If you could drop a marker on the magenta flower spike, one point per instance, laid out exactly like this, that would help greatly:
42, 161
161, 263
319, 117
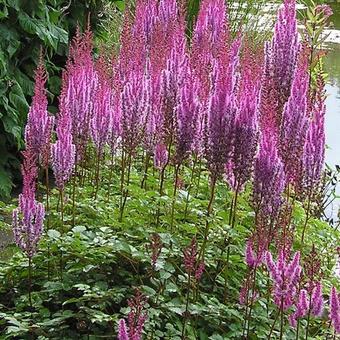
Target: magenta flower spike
284, 50
314, 148
63, 150
39, 124
317, 300
301, 308
145, 18
222, 108
137, 316
269, 179
168, 12
136, 319
285, 276
122, 330
253, 259
295, 124
187, 111
101, 122
134, 108
325, 10
334, 310
28, 218
246, 135
80, 82
191, 264
160, 156
153, 116
211, 26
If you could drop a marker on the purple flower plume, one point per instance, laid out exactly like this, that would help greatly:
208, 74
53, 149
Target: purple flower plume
102, 107
134, 107
284, 50
314, 148
334, 302
122, 330
80, 82
28, 218
136, 319
187, 116
269, 179
191, 264
295, 124
308, 303
220, 120
63, 150
160, 156
39, 124
285, 276
246, 134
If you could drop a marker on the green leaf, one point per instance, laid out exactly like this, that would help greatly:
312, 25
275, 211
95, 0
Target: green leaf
53, 234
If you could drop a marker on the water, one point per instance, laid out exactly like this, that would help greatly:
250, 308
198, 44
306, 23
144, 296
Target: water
332, 67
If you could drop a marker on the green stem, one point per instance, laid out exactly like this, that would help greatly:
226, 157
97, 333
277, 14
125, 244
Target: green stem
48, 221
146, 168
189, 188
186, 308
251, 302
282, 320
62, 230
207, 224
297, 329
74, 196
273, 325
308, 317
110, 177
177, 167
126, 192
307, 218
97, 175
30, 282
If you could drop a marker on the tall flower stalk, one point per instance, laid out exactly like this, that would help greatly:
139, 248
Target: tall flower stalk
285, 276
28, 218
101, 124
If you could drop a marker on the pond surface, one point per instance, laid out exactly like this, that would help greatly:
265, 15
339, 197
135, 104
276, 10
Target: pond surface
332, 67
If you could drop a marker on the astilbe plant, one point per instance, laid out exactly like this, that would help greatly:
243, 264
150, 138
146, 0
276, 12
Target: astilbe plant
246, 131
39, 123
28, 218
284, 51
308, 304
101, 121
136, 318
194, 267
80, 82
63, 150
294, 124
209, 102
285, 276
309, 301
334, 311
269, 183
314, 150
314, 147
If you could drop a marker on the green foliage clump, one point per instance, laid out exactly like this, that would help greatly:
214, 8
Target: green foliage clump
85, 272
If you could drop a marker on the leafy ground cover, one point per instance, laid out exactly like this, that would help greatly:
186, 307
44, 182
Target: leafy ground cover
103, 262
